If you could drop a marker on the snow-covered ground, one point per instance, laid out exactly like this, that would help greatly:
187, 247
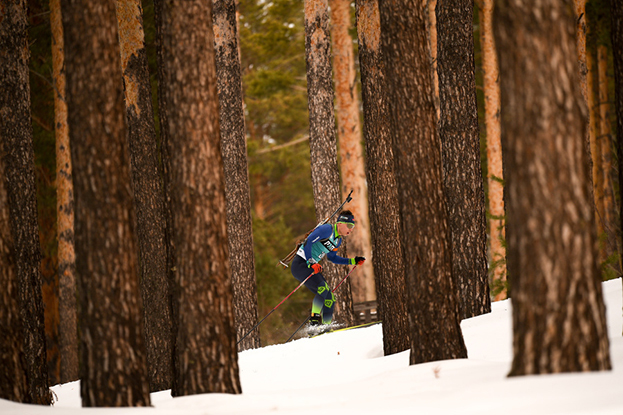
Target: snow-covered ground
346, 373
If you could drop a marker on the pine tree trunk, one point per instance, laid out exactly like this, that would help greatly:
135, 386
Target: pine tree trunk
113, 361
595, 147
431, 25
68, 325
351, 151
383, 191
495, 174
13, 383
234, 147
617, 54
580, 40
16, 148
206, 357
165, 159
434, 318
148, 194
322, 142
611, 223
558, 311
460, 139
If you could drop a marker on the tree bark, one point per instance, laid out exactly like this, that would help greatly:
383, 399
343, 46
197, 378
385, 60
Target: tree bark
351, 151
383, 191
611, 223
148, 194
558, 311
595, 146
68, 330
234, 147
580, 40
113, 365
460, 139
165, 159
206, 357
16, 149
322, 142
495, 170
432, 295
431, 28
13, 383
616, 34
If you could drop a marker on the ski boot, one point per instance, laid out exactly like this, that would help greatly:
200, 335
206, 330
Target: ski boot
315, 320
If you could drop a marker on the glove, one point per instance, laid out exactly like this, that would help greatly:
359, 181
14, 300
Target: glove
316, 267
358, 260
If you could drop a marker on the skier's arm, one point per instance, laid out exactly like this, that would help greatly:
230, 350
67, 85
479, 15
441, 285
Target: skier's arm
336, 259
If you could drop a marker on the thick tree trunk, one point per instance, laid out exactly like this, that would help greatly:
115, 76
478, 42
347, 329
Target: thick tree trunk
13, 383
460, 139
617, 54
206, 357
558, 311
351, 151
113, 365
68, 325
148, 194
383, 191
322, 142
495, 174
434, 318
234, 147
16, 149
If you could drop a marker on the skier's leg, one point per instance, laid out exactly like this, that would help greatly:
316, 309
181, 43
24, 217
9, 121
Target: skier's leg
301, 271
327, 299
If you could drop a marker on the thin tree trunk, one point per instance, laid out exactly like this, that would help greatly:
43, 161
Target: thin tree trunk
434, 318
617, 54
322, 142
460, 139
206, 356
148, 194
431, 25
68, 330
234, 147
13, 382
16, 149
611, 223
113, 364
558, 311
165, 159
495, 175
580, 39
351, 151
383, 191
595, 147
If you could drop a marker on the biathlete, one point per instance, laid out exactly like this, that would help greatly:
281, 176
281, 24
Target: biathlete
323, 241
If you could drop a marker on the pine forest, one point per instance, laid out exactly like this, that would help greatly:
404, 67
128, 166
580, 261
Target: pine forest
161, 159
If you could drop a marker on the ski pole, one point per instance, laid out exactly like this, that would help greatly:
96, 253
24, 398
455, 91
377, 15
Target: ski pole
338, 286
271, 311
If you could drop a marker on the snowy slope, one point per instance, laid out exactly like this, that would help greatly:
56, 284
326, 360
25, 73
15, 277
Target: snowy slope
346, 373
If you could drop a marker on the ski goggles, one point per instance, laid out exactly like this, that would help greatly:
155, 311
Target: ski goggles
347, 220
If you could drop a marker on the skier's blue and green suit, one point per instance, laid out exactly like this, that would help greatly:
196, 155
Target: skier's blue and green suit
323, 241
